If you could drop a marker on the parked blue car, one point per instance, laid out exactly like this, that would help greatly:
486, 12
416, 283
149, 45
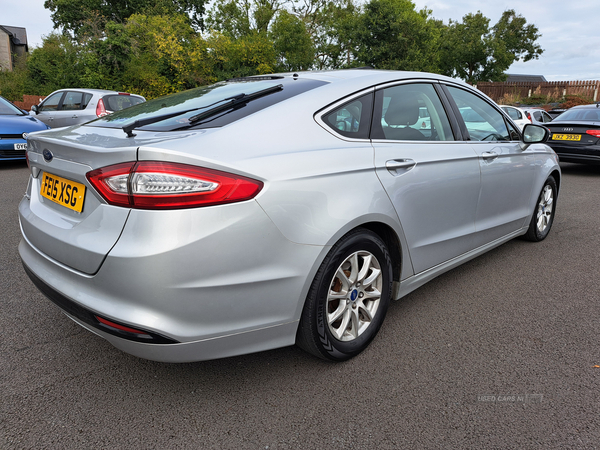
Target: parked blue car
15, 125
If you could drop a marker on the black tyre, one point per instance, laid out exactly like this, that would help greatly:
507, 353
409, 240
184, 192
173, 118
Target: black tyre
543, 215
348, 298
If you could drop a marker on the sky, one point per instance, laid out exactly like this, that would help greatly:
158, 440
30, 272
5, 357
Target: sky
569, 28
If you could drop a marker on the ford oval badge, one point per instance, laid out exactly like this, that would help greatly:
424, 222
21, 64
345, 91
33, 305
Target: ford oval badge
47, 155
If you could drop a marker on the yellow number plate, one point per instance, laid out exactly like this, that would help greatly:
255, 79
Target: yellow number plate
566, 137
67, 193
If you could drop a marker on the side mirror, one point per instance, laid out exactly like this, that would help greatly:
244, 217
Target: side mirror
534, 134
35, 109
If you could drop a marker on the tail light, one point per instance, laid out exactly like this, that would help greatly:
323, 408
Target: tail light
163, 185
528, 116
595, 133
100, 109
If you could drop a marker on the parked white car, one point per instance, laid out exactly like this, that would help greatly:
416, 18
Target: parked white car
517, 115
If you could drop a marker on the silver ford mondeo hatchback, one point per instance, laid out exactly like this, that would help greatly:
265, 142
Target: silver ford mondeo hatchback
266, 211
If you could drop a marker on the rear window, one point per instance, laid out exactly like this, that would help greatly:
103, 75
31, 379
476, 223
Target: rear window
203, 99
119, 102
592, 115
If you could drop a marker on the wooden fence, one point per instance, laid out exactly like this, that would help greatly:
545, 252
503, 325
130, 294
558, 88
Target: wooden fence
555, 89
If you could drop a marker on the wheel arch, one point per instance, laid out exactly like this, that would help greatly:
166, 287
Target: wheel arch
556, 175
392, 242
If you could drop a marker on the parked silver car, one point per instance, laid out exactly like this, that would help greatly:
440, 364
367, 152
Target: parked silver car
67, 107
265, 211
537, 115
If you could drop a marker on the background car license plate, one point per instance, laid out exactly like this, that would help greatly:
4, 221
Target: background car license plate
566, 137
67, 193
20, 147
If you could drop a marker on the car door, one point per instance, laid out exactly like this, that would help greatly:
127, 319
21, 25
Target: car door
69, 109
431, 178
47, 110
507, 167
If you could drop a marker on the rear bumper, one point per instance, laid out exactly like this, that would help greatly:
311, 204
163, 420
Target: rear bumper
232, 284
583, 154
579, 158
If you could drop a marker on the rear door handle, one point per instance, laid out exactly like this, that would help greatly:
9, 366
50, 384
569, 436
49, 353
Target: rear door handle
397, 166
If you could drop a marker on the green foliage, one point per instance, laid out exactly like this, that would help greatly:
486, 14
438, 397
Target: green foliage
332, 30
165, 55
73, 16
249, 55
391, 34
53, 66
153, 47
292, 43
12, 84
474, 51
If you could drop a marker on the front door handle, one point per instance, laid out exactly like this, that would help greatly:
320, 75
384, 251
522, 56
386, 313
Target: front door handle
489, 155
397, 166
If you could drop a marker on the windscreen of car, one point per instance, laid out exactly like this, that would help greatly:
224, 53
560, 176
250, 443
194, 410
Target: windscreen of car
584, 114
201, 99
121, 101
8, 109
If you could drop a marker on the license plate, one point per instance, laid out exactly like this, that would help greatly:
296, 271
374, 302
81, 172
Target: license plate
566, 137
67, 193
20, 147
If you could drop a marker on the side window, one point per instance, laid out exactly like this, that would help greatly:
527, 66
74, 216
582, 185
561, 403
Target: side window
51, 103
515, 114
483, 121
410, 112
352, 119
72, 101
86, 100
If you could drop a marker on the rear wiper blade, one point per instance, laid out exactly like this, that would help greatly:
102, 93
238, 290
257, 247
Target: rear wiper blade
231, 102
154, 119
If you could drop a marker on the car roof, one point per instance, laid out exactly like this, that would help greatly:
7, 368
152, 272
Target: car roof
376, 75
93, 91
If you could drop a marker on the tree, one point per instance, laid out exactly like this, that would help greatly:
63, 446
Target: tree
517, 38
165, 55
473, 51
55, 65
391, 34
292, 43
252, 54
72, 16
331, 26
